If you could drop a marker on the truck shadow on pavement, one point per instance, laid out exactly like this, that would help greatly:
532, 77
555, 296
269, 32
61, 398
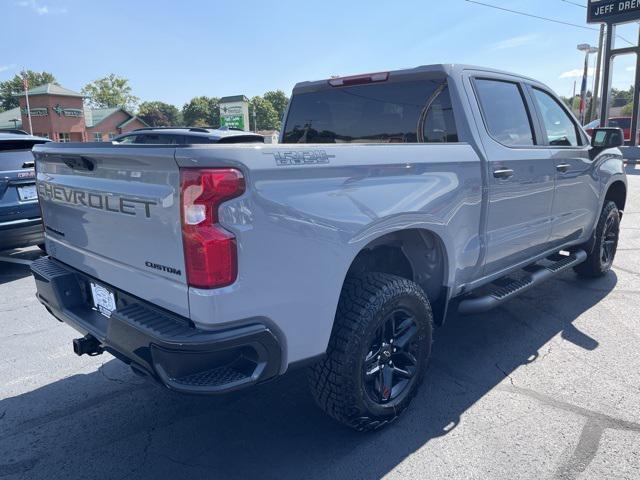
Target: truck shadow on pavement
111, 424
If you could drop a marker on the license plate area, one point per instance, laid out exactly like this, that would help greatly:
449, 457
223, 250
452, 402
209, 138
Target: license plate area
27, 193
104, 300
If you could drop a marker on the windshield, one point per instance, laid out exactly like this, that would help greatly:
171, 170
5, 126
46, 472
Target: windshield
15, 159
373, 113
620, 122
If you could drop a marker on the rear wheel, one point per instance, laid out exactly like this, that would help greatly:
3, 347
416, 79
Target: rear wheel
607, 232
378, 351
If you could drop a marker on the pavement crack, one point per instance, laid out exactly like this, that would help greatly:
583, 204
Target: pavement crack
111, 379
548, 352
505, 373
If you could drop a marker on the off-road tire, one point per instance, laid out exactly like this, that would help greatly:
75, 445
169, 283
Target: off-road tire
338, 381
594, 265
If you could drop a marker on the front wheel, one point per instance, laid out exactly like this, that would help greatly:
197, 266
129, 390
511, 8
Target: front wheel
607, 232
378, 351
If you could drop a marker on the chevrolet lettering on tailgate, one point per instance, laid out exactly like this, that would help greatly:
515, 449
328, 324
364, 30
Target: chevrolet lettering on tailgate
97, 200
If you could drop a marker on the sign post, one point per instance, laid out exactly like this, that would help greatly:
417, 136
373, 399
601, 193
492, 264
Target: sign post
613, 13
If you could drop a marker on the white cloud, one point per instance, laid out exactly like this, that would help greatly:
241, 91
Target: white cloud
4, 68
631, 69
515, 42
577, 73
40, 8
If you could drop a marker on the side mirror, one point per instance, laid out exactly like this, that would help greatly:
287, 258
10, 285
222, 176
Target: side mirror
607, 138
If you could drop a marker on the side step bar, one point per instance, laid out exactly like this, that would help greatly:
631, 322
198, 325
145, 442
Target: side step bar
502, 294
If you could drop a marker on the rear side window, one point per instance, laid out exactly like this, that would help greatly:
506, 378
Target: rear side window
373, 113
439, 125
154, 139
561, 131
197, 140
505, 114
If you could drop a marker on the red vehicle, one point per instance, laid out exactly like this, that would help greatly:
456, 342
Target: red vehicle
619, 122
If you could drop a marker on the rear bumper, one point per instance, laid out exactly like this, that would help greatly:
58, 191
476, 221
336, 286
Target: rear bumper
157, 343
21, 233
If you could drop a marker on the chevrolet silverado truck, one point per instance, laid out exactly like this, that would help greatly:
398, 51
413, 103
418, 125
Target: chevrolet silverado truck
392, 199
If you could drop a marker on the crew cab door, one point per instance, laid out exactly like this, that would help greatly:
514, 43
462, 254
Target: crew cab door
577, 195
520, 176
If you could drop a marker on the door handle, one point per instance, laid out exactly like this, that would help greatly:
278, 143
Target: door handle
563, 167
503, 173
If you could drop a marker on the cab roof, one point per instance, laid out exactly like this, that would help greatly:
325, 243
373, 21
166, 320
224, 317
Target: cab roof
441, 69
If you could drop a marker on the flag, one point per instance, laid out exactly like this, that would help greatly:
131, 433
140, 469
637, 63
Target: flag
583, 88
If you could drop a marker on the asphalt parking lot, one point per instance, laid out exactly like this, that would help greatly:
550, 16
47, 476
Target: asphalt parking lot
546, 387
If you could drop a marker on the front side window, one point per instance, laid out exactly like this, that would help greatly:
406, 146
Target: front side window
385, 112
561, 131
505, 114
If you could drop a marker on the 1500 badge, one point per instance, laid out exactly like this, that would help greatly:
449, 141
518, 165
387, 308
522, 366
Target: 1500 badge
300, 157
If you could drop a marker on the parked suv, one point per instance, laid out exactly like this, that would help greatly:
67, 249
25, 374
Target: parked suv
20, 223
187, 136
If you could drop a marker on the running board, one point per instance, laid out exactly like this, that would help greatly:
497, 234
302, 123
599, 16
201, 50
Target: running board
501, 294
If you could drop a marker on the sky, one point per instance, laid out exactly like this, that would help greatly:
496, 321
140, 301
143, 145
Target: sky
175, 50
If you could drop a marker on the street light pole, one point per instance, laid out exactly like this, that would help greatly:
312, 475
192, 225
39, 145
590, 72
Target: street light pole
593, 111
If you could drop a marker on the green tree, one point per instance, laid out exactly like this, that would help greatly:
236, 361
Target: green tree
279, 100
159, 114
627, 110
202, 112
266, 115
109, 92
10, 88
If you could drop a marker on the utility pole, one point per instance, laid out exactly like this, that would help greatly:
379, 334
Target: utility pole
25, 84
596, 89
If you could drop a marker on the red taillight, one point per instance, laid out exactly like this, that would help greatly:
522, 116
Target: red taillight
209, 250
359, 79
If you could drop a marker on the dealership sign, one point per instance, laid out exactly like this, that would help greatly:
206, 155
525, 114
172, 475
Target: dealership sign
67, 112
36, 112
234, 112
232, 116
613, 11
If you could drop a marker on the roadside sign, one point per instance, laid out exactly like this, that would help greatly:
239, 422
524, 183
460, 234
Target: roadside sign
613, 11
234, 112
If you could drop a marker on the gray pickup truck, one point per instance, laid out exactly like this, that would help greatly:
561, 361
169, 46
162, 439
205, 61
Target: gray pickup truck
392, 198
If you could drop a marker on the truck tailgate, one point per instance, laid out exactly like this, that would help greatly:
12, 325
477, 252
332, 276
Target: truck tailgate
113, 212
